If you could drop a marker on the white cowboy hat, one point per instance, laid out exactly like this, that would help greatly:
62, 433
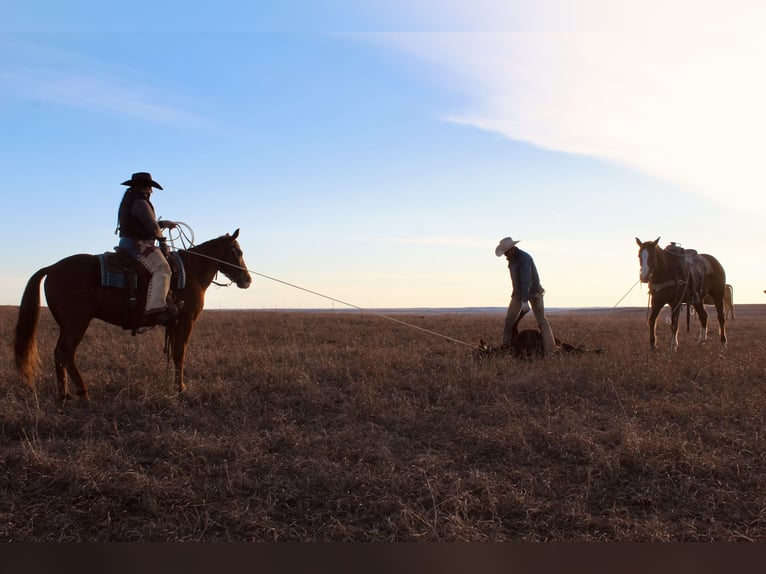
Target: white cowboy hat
505, 244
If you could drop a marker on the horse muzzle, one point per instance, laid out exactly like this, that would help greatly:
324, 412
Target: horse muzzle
244, 281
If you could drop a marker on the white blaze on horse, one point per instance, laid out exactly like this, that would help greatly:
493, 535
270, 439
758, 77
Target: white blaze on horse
678, 276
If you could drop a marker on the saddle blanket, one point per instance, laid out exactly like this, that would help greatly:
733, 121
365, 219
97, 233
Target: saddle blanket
116, 270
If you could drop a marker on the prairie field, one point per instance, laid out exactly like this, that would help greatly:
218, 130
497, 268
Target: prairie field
347, 426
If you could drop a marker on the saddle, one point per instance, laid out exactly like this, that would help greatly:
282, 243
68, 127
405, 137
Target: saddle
696, 268
120, 271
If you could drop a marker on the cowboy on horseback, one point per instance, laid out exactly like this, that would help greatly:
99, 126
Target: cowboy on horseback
139, 229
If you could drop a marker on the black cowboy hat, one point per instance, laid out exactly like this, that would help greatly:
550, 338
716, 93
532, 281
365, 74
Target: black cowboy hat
142, 178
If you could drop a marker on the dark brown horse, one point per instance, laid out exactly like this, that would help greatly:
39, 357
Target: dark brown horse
678, 276
75, 297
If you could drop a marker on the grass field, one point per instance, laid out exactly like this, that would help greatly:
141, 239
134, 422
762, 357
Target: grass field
349, 427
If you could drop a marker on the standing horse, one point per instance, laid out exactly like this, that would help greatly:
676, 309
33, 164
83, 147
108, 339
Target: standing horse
75, 296
677, 276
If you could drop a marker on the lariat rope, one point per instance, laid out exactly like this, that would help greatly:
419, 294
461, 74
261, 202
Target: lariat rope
383, 315
185, 235
603, 318
188, 242
371, 312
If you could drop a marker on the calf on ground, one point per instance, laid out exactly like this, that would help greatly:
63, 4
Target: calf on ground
527, 344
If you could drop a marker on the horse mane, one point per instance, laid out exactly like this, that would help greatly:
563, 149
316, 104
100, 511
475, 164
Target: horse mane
202, 247
206, 248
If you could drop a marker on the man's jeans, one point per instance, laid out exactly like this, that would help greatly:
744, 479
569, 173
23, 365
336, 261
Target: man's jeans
538, 309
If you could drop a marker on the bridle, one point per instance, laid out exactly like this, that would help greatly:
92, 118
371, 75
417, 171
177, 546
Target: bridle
236, 252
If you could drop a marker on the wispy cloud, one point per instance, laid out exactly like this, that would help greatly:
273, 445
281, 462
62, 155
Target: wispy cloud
431, 241
90, 93
680, 102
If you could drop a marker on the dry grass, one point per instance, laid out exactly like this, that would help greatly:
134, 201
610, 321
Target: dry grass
348, 427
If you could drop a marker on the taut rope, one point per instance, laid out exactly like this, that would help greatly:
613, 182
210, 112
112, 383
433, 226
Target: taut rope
357, 307
589, 333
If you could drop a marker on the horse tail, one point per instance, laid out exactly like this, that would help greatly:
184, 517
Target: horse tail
24, 340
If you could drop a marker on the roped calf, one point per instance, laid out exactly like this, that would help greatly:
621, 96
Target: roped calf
527, 344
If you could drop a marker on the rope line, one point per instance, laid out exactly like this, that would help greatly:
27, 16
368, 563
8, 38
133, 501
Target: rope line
317, 293
589, 333
190, 241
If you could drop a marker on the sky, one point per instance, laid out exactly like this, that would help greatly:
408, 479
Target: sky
376, 151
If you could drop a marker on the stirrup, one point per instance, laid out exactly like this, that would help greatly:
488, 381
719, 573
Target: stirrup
174, 307
157, 317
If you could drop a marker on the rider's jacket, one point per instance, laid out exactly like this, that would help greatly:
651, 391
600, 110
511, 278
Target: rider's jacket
129, 224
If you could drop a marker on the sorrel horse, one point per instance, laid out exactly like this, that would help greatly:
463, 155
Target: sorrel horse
678, 276
75, 296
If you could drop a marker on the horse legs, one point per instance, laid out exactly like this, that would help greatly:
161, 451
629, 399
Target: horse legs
179, 376
63, 356
674, 316
180, 338
719, 308
653, 327
702, 315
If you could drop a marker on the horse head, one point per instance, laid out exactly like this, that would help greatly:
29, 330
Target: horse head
232, 262
646, 256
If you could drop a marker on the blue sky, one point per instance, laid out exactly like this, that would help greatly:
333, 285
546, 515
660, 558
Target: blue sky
377, 151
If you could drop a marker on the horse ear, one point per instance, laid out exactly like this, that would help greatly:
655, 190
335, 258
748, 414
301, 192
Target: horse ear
235, 234
656, 241
638, 241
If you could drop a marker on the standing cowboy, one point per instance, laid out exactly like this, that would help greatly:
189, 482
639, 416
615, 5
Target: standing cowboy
527, 291
139, 229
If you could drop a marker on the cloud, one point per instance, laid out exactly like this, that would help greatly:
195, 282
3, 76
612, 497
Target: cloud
90, 93
431, 241
679, 99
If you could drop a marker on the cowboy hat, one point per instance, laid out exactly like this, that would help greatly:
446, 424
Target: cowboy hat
505, 244
142, 178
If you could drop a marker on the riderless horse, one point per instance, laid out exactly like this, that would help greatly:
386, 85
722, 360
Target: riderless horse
678, 276
76, 294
